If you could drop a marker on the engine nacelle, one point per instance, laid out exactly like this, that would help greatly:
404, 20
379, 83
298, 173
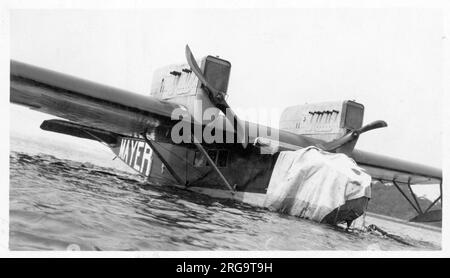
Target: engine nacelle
178, 84
325, 120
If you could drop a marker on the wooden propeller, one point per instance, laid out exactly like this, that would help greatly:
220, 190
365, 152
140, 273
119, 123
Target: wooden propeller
353, 135
217, 97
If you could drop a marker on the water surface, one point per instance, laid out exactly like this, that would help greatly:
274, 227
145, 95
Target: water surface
76, 204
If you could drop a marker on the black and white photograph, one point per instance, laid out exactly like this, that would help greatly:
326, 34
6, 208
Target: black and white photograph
231, 128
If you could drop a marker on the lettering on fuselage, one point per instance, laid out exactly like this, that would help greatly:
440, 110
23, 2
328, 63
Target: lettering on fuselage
137, 154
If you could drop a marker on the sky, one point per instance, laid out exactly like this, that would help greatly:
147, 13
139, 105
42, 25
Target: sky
391, 60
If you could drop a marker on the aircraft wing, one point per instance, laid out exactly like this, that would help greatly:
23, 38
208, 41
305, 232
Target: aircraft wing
396, 171
88, 103
389, 169
98, 108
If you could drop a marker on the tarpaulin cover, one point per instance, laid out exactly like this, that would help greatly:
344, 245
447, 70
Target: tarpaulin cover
310, 183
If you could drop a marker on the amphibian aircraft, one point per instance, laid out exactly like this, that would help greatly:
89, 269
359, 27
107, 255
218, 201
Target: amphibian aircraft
161, 136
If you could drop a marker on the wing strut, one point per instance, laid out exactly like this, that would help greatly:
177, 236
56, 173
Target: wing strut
414, 196
406, 197
431, 215
213, 164
432, 204
422, 216
163, 160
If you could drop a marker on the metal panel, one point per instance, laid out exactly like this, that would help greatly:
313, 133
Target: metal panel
325, 120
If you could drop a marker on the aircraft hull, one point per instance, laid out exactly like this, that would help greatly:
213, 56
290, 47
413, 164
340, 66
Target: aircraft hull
248, 171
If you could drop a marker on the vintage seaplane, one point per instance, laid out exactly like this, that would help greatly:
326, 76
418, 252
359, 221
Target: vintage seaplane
153, 134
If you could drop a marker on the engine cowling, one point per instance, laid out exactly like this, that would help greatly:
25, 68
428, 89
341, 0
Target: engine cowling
326, 121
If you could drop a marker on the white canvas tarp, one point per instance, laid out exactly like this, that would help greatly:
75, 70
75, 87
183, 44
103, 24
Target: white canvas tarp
310, 183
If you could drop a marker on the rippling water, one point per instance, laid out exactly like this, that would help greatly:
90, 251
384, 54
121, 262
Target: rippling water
60, 204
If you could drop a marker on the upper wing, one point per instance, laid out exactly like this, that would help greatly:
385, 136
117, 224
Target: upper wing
88, 103
390, 169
